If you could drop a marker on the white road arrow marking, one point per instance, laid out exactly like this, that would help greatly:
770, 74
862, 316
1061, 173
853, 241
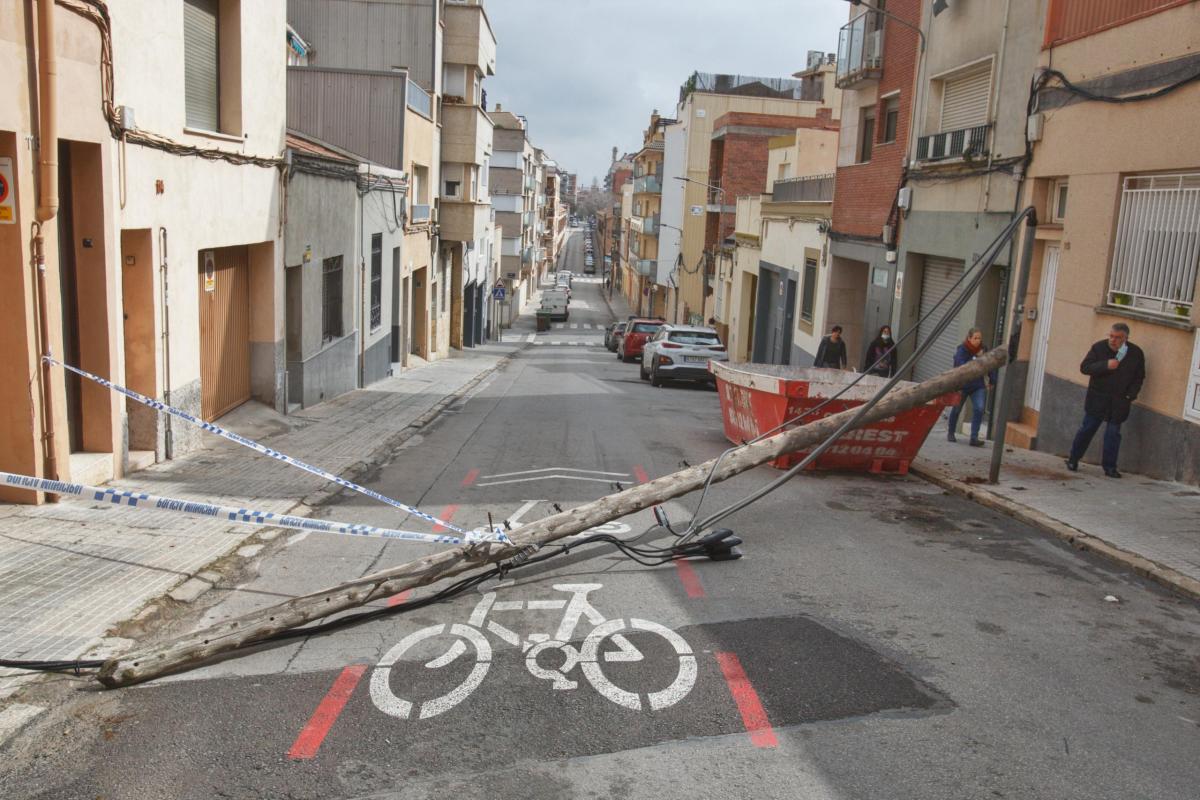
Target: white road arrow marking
556, 469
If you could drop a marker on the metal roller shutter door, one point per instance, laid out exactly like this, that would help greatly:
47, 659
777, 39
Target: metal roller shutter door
965, 99
939, 275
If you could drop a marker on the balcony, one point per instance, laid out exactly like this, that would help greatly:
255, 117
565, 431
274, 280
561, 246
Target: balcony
964, 144
647, 184
645, 225
466, 133
463, 220
468, 37
647, 267
527, 219
860, 50
419, 213
419, 100
527, 255
806, 189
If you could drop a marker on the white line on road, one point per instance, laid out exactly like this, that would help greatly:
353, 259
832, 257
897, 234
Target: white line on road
547, 478
531, 337
556, 469
515, 517
574, 326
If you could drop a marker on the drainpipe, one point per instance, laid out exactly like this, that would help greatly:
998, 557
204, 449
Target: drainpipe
47, 209
168, 438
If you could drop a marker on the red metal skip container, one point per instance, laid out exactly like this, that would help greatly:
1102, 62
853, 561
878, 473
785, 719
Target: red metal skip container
757, 397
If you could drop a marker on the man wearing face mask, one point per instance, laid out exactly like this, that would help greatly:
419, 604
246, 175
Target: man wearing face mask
1117, 370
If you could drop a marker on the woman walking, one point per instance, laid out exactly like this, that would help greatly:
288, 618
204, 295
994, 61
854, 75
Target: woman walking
881, 355
975, 391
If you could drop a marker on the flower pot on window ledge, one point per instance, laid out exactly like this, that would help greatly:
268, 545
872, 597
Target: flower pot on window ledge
1183, 311
1120, 299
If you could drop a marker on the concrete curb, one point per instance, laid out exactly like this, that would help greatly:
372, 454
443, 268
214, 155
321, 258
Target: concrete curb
1164, 575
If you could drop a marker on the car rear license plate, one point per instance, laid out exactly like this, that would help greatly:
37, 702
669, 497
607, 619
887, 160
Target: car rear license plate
692, 359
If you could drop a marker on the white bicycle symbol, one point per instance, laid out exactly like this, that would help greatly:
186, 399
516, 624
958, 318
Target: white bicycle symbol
588, 657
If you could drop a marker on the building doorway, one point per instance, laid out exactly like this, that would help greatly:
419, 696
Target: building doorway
138, 307
420, 313
1041, 331
224, 292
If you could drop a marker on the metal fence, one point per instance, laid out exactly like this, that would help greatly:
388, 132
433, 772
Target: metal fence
806, 189
419, 100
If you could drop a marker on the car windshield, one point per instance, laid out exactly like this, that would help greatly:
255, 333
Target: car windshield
646, 327
620, 327
704, 338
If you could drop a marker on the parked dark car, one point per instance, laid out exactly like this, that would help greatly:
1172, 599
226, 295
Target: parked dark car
637, 332
612, 336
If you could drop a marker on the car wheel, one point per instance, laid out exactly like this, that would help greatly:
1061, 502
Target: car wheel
643, 373
655, 380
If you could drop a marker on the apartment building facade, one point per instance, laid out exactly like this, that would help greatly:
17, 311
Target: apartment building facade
876, 70
513, 190
147, 282
704, 98
465, 219
648, 276
1119, 232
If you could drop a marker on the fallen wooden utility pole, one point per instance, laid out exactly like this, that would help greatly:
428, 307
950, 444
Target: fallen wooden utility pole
202, 646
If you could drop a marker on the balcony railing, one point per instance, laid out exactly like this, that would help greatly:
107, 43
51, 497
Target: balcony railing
420, 213
647, 184
527, 255
419, 100
645, 225
806, 189
860, 50
961, 143
527, 219
646, 267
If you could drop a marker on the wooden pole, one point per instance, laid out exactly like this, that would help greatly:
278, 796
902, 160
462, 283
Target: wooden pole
199, 647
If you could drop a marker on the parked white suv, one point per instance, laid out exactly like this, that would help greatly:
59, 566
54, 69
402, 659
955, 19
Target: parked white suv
681, 352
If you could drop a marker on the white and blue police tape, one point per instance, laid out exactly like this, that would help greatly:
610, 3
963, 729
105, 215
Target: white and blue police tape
255, 446
247, 516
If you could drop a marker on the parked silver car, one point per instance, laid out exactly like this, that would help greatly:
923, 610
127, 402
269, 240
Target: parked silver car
681, 352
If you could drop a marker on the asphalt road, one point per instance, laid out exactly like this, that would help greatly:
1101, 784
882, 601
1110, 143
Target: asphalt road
879, 639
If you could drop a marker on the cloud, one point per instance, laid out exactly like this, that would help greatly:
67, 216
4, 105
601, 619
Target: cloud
587, 73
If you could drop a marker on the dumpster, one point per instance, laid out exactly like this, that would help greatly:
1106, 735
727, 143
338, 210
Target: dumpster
757, 397
543, 320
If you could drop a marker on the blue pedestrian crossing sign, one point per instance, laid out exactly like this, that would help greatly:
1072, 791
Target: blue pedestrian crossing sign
498, 292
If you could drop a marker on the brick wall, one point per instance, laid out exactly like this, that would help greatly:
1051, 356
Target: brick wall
864, 193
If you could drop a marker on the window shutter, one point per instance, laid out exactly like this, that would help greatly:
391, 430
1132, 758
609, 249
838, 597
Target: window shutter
200, 65
965, 99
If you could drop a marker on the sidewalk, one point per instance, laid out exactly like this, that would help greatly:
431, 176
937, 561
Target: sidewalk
73, 570
1150, 526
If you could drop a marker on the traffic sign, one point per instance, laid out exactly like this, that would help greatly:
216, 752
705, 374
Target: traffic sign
7, 207
497, 292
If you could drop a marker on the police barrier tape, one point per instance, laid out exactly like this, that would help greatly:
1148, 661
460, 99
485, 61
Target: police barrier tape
243, 515
255, 446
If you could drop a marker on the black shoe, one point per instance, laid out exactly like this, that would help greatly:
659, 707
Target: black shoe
977, 443
1112, 473
950, 437
1072, 465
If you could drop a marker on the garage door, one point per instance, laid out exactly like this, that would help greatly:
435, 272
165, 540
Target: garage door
939, 275
224, 330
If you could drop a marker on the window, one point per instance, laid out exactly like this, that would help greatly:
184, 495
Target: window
201, 64
1156, 251
453, 188
808, 297
1058, 202
965, 98
331, 298
891, 119
376, 280
785, 171
866, 135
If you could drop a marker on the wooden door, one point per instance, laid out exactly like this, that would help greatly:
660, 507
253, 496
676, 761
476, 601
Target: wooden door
224, 285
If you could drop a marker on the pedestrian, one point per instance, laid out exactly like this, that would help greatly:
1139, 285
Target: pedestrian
831, 352
975, 391
881, 355
1117, 370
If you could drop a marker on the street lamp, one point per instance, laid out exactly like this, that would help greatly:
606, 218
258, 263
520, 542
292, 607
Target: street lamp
897, 20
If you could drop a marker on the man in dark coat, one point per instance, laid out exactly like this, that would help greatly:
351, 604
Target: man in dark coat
1118, 369
832, 350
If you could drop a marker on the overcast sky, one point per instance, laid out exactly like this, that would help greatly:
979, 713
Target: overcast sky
587, 73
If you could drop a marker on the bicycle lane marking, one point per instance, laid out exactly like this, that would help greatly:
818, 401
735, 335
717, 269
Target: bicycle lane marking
687, 574
754, 716
313, 734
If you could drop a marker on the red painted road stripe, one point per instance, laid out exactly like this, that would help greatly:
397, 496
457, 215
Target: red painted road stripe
397, 599
471, 476
691, 581
309, 741
447, 515
640, 474
754, 717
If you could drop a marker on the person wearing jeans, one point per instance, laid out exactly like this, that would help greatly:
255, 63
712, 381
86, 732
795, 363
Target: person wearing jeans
975, 391
1117, 369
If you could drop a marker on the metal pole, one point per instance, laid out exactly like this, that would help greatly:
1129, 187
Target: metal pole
1006, 387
